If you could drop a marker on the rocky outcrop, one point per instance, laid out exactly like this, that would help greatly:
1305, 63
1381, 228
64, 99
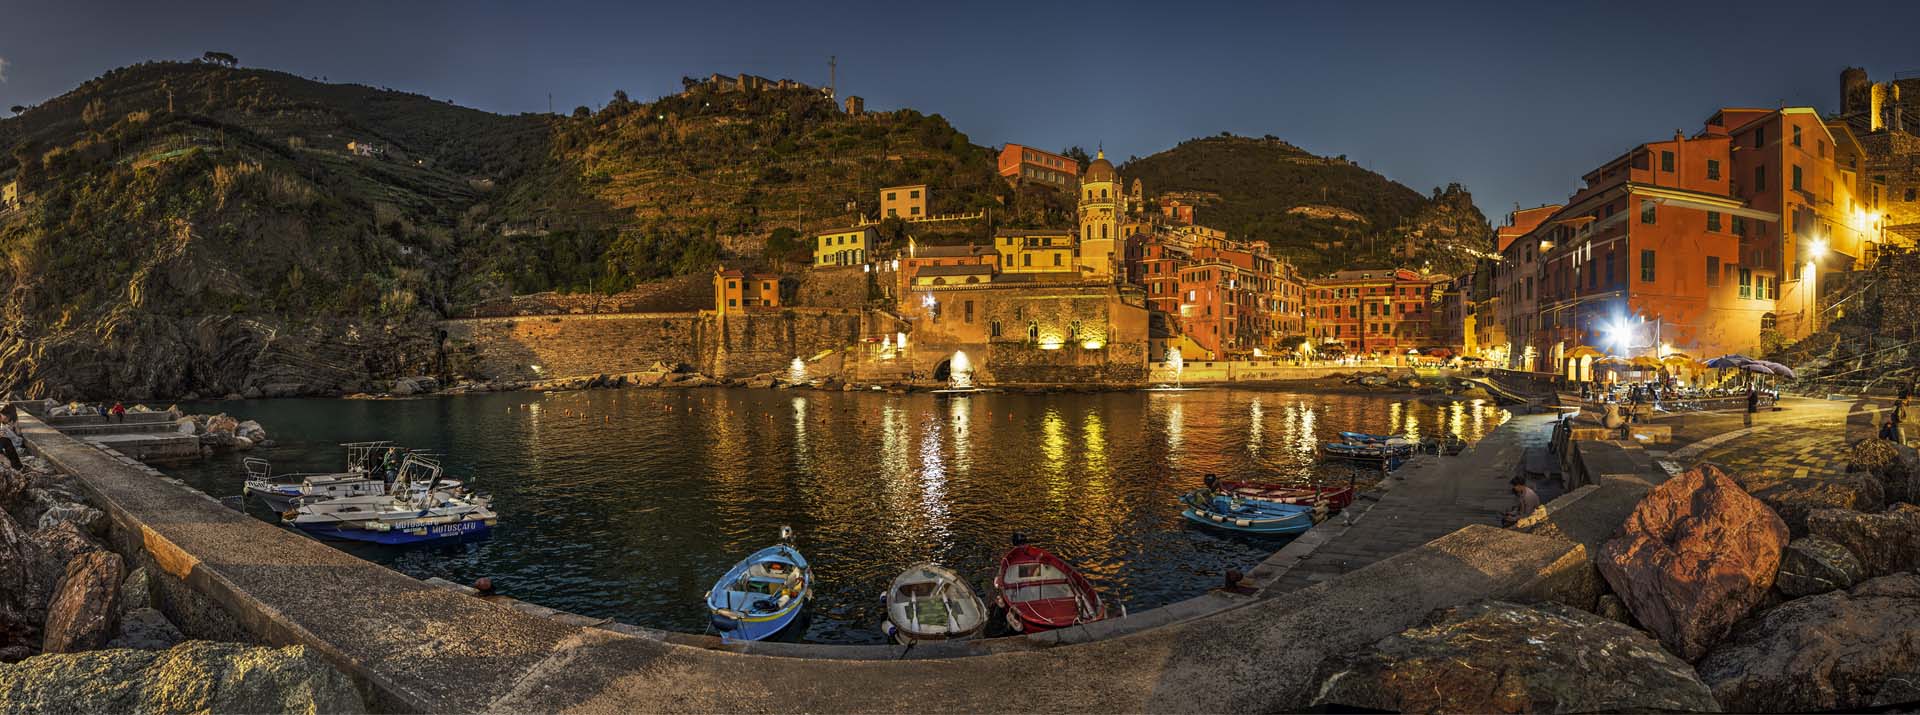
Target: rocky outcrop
85, 611
1693, 558
1793, 497
146, 629
1497, 657
56, 547
1814, 565
196, 677
19, 591
1896, 466
1844, 650
1885, 543
87, 519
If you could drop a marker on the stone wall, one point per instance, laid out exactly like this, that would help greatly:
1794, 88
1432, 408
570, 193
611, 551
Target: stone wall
564, 346
838, 287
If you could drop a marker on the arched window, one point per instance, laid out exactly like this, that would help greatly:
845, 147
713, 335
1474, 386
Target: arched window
940, 281
1033, 331
1769, 321
1103, 193
973, 279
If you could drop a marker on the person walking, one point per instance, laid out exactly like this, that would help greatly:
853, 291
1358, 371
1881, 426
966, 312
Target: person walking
1753, 404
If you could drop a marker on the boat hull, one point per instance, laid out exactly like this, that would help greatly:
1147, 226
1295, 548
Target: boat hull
1336, 498
1287, 525
416, 535
758, 627
1030, 615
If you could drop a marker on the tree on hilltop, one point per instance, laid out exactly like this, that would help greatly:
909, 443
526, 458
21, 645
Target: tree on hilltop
1079, 155
220, 58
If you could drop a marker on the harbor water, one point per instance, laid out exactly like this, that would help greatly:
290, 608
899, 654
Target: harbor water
628, 504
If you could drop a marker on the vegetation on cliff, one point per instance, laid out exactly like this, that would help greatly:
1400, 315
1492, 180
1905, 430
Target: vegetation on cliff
1323, 213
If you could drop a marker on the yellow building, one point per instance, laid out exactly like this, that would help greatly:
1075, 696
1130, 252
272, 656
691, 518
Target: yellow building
1045, 251
735, 290
842, 247
907, 202
1102, 206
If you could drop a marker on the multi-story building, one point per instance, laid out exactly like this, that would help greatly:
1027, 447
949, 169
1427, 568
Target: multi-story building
1154, 265
1381, 312
1515, 283
735, 290
1217, 307
1102, 206
1041, 251
918, 256
906, 202
842, 247
1025, 164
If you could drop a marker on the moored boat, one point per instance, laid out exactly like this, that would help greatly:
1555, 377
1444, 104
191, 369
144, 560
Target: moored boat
763, 594
371, 468
408, 516
1041, 592
1207, 508
1335, 497
1392, 452
929, 602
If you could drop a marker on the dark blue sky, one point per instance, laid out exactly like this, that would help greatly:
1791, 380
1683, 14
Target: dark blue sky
1513, 100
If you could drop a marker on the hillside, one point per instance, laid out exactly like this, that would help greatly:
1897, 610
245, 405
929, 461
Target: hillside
1322, 212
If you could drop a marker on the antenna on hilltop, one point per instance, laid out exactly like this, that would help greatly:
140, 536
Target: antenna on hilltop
833, 68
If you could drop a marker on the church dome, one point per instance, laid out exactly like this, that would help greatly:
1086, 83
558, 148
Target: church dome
1099, 169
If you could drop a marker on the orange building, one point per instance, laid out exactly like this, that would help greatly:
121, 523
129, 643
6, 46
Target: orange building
918, 257
907, 202
1023, 164
735, 290
1383, 312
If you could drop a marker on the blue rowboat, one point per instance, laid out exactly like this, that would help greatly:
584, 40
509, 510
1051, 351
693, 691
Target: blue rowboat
1250, 517
1366, 438
762, 594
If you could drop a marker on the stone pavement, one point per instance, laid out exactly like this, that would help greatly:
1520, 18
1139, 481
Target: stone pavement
1806, 437
1430, 497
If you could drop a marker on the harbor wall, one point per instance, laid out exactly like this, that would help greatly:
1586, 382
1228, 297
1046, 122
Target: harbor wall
568, 346
1215, 371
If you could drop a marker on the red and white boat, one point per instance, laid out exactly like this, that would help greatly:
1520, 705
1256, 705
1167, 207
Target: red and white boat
1040, 592
1335, 497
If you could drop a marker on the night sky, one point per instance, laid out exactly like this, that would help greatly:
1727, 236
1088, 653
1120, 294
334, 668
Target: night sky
1514, 101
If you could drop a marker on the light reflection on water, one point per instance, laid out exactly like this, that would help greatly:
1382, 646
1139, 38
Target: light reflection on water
627, 504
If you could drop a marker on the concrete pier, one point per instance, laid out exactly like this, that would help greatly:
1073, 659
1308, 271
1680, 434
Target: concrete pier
145, 436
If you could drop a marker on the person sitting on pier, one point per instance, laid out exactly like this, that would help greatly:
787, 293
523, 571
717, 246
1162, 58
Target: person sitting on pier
118, 413
1525, 502
10, 441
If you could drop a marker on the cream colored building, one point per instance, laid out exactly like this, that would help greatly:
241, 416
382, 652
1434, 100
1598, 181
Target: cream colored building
1102, 207
1035, 251
842, 247
907, 202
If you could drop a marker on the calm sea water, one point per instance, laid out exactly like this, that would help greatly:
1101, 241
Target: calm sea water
628, 504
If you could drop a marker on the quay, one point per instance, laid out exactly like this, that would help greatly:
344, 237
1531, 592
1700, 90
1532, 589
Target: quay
424, 647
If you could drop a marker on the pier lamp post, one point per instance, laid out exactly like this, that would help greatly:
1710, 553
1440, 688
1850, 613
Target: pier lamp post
1816, 250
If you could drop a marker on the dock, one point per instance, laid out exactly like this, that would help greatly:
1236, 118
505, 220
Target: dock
145, 436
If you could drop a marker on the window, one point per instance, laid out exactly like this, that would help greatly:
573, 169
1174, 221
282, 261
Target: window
913, 210
969, 311
1026, 259
1759, 178
1759, 137
993, 329
1746, 283
913, 194
1666, 161
1796, 177
1713, 271
1796, 136
1739, 226
890, 196
731, 285
1910, 194
1056, 259
1646, 266
1713, 220
1713, 169
733, 302
1646, 211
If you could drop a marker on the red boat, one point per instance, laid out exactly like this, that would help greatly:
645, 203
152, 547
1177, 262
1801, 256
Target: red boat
1335, 497
1041, 592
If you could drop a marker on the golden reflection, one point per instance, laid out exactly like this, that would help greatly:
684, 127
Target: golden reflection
1176, 427
1413, 425
1303, 439
1093, 437
1256, 417
896, 448
933, 482
1053, 452
1395, 413
1457, 418
960, 413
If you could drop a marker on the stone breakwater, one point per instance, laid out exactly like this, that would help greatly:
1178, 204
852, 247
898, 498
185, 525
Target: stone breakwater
80, 629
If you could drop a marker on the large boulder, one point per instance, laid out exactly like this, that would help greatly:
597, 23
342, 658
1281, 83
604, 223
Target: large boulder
1793, 497
85, 611
403, 387
13, 485
251, 430
1843, 650
1897, 466
20, 590
193, 677
88, 519
1498, 657
146, 629
1816, 564
1886, 542
1694, 556
221, 424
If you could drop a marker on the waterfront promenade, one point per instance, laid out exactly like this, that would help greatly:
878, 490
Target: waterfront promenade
1430, 497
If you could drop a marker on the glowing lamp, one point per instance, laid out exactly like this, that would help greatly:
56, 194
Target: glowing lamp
1817, 249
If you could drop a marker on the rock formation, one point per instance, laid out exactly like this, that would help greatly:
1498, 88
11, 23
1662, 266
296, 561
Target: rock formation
85, 612
194, 677
1885, 542
1793, 497
1814, 564
1844, 650
1497, 657
1693, 558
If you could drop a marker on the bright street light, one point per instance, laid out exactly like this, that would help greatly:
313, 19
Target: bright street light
1817, 249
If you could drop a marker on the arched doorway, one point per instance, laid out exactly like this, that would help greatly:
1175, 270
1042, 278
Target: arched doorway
943, 371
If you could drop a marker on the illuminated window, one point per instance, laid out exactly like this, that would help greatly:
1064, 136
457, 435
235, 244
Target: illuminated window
1746, 283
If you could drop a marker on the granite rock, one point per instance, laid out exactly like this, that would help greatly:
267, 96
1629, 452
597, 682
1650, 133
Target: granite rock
85, 611
1842, 650
1886, 542
193, 677
1814, 565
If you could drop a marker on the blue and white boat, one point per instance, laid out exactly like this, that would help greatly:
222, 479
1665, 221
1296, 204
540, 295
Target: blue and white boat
1392, 452
407, 516
371, 470
1207, 508
1366, 438
763, 594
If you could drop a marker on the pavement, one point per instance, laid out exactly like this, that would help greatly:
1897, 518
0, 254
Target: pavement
1431, 496
1804, 438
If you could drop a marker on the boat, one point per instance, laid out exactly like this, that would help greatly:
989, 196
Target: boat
1208, 508
763, 594
1392, 452
1367, 438
929, 602
1335, 497
1040, 592
371, 468
406, 516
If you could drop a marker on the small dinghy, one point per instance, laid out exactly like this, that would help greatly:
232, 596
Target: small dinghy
929, 602
1335, 497
763, 594
1207, 508
1040, 592
1366, 438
